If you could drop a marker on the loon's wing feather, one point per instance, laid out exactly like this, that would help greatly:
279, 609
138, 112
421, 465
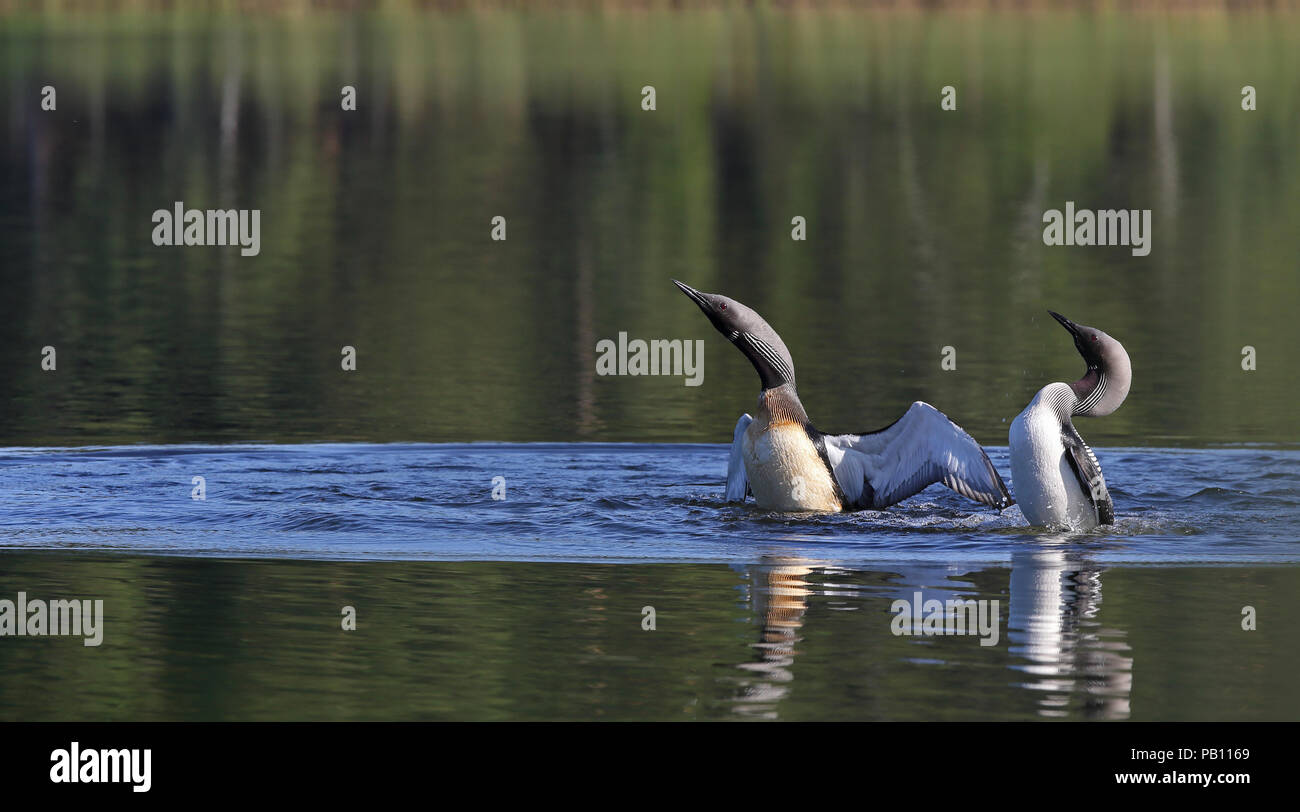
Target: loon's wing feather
881, 468
1088, 470
737, 482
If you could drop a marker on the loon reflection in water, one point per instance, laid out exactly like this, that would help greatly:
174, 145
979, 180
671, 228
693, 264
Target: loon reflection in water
1053, 629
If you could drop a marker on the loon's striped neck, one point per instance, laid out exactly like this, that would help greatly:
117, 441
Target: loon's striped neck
1102, 388
1060, 398
782, 406
775, 367
1089, 392
1105, 384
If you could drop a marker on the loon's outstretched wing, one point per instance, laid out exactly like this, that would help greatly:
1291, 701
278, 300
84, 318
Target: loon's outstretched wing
1085, 466
881, 468
737, 482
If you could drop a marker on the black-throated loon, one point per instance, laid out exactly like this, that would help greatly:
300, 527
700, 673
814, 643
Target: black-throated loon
1057, 477
788, 465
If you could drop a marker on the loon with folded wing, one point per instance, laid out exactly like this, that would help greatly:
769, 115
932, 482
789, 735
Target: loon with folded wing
788, 465
1057, 477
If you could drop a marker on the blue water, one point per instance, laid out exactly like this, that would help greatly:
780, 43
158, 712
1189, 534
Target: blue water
532, 607
601, 503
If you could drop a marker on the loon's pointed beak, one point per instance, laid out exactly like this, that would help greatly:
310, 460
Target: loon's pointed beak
1066, 323
696, 297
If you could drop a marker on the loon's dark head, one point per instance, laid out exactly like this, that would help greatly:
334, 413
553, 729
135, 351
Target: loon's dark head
751, 335
1106, 382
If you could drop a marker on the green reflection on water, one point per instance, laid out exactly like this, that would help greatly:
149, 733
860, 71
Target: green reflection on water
924, 226
207, 639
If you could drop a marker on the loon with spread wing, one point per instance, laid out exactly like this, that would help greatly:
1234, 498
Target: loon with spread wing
788, 465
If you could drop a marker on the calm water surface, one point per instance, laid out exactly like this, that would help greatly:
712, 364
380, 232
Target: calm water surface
924, 227
782, 637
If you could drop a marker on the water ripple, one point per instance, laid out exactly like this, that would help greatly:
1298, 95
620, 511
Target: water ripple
598, 502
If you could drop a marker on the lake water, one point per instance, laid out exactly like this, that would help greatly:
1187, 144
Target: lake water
532, 606
372, 488
614, 503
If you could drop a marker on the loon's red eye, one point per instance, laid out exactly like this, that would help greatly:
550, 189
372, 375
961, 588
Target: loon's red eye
722, 305
1094, 336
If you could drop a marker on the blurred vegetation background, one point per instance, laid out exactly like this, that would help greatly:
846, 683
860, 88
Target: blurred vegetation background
924, 226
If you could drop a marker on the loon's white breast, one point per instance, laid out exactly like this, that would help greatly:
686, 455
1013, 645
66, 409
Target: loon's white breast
1046, 487
785, 471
